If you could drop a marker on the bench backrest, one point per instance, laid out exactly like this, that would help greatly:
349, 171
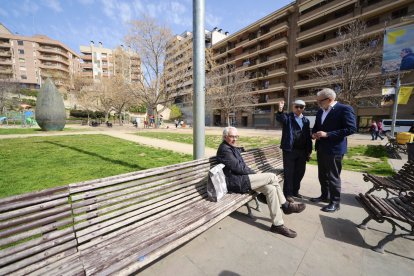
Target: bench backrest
107, 207
35, 231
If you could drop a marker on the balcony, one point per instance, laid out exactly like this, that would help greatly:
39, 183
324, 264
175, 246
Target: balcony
382, 6
54, 58
309, 83
55, 50
5, 61
323, 10
271, 88
6, 71
86, 57
274, 73
5, 53
4, 44
274, 30
54, 66
274, 45
86, 65
330, 25
274, 59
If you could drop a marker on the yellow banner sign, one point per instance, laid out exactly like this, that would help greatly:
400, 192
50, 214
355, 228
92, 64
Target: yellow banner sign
404, 95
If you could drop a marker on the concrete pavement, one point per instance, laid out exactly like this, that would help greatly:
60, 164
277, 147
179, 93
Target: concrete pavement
327, 244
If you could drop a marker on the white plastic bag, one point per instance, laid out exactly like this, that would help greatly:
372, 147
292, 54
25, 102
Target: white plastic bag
216, 185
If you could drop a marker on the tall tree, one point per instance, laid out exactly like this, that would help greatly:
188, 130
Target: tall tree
229, 90
352, 67
7, 88
148, 38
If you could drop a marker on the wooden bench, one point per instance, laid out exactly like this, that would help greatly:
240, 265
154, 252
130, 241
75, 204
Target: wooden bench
402, 181
397, 211
116, 224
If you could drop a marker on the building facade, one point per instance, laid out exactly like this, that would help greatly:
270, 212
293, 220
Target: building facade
277, 52
178, 67
30, 60
98, 62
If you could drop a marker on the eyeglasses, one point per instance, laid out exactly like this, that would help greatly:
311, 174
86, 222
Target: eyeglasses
299, 106
319, 101
233, 136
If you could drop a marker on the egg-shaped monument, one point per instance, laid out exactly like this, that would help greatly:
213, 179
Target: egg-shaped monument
50, 109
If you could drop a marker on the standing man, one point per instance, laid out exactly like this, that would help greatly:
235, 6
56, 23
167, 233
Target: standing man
333, 123
241, 179
296, 145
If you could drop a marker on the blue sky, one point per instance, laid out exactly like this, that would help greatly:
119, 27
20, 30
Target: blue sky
77, 22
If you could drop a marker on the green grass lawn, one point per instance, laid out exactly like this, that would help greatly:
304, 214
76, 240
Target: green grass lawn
371, 159
32, 130
36, 163
212, 141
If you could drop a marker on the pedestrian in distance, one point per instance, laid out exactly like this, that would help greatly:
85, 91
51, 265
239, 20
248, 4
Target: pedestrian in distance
242, 179
296, 145
333, 123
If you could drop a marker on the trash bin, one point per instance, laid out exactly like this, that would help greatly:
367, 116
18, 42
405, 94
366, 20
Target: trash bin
410, 151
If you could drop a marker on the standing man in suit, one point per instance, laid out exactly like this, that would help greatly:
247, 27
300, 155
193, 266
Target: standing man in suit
296, 145
333, 123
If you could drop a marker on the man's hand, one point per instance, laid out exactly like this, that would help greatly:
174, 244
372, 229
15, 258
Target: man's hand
281, 105
319, 134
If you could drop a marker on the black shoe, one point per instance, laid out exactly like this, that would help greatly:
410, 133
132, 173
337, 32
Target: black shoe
319, 199
331, 207
298, 195
283, 230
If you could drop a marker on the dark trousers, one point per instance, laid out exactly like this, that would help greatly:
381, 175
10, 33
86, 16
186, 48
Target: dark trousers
294, 166
329, 173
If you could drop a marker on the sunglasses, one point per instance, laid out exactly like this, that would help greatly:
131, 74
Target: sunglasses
319, 101
299, 106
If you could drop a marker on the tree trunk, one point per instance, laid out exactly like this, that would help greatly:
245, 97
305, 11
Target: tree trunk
228, 119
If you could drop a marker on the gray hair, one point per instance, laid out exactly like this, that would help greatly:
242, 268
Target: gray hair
226, 131
327, 93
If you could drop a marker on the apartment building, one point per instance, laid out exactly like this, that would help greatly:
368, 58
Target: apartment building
30, 60
98, 62
277, 52
178, 66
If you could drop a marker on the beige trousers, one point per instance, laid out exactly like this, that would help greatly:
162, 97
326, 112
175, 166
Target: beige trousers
268, 184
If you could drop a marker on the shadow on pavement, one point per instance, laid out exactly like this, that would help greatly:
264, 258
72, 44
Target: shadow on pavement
342, 230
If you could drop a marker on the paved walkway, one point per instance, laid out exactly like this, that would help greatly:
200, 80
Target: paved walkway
327, 244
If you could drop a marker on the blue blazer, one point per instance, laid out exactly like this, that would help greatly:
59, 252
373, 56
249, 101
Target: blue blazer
339, 123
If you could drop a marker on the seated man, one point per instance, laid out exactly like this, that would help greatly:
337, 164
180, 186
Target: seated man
242, 179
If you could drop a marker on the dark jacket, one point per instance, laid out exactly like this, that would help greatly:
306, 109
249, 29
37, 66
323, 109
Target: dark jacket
235, 169
290, 125
407, 62
339, 123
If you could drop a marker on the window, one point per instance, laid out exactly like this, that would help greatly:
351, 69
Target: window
23, 77
399, 13
21, 51
20, 42
22, 60
22, 68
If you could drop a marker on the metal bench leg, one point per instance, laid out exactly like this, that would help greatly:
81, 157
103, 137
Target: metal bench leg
249, 210
381, 244
364, 223
258, 208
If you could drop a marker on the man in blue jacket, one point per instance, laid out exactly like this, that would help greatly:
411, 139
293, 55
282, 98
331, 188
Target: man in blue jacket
242, 179
296, 145
333, 123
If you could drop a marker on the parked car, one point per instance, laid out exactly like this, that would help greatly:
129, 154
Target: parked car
401, 125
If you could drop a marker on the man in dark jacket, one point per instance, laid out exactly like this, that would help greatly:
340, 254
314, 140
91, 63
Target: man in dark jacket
296, 145
407, 59
241, 179
333, 123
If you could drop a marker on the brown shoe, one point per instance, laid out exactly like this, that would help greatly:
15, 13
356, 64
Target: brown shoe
290, 199
283, 230
294, 208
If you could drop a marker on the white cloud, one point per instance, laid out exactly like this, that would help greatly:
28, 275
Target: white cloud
212, 20
29, 7
86, 2
125, 11
117, 10
53, 4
